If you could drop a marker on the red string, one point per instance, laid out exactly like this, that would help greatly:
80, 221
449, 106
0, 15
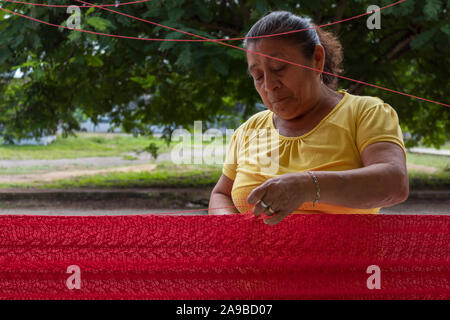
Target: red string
66, 6
225, 44
225, 257
234, 39
267, 56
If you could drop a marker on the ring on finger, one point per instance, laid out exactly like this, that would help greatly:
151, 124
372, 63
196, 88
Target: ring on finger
263, 204
271, 210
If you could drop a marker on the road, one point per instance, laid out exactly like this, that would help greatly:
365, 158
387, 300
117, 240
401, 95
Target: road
411, 206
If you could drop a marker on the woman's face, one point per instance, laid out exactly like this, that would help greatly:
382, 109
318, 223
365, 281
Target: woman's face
288, 90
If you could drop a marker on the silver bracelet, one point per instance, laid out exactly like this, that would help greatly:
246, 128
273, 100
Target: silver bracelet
316, 183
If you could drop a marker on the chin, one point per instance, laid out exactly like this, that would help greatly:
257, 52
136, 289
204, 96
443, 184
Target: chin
285, 113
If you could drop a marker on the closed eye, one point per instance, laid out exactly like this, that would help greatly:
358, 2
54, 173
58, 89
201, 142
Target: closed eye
277, 70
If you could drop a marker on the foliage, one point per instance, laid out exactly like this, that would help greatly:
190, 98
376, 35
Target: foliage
142, 83
153, 149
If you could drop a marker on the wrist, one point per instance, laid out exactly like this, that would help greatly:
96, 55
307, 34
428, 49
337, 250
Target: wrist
314, 181
305, 184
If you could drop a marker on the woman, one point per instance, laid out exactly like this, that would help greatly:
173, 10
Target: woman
338, 152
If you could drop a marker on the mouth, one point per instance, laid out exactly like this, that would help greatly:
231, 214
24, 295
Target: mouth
280, 100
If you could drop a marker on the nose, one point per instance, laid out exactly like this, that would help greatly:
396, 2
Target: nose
271, 82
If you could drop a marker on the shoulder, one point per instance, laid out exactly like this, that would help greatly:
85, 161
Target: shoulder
364, 106
361, 103
259, 120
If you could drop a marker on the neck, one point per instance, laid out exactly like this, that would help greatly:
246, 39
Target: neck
328, 99
321, 105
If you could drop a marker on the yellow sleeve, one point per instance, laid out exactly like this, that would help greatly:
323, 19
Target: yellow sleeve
230, 164
378, 123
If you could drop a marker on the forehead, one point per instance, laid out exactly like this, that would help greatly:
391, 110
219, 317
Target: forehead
271, 47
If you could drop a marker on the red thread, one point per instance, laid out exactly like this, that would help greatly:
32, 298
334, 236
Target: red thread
66, 6
225, 257
225, 44
235, 39
270, 57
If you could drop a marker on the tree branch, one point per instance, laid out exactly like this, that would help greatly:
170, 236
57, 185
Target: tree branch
398, 50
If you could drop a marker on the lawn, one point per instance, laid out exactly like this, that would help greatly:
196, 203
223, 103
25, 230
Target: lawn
83, 145
166, 174
440, 162
422, 180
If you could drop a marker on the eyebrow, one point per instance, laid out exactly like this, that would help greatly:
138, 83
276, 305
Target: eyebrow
276, 55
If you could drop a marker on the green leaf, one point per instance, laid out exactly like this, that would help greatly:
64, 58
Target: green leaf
38, 74
204, 13
77, 60
169, 44
220, 67
74, 36
281, 5
94, 61
4, 54
100, 23
36, 40
445, 29
422, 39
197, 32
432, 8
175, 14
154, 12
146, 82
261, 6
185, 58
90, 10
17, 41
236, 54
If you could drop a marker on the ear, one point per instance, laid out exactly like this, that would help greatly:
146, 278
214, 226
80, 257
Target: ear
319, 58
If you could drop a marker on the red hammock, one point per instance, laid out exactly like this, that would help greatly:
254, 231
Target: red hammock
225, 257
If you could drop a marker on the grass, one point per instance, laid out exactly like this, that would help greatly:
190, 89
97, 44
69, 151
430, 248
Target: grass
439, 162
171, 175
446, 146
165, 175
128, 157
435, 181
40, 169
83, 145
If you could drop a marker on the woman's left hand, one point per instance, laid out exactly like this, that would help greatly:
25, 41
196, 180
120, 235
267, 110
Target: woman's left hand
282, 195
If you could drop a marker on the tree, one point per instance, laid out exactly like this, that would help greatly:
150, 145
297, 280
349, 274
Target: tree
175, 83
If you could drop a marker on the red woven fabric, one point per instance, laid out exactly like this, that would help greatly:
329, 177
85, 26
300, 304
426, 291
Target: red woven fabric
225, 257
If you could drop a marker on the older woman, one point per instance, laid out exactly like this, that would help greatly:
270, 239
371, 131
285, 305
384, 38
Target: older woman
338, 152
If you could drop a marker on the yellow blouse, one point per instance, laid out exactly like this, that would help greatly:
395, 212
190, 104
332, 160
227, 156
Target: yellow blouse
257, 151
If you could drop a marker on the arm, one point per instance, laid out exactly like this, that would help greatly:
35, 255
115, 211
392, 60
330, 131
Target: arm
221, 197
382, 182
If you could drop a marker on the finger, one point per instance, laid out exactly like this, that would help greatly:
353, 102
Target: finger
269, 211
257, 194
258, 209
276, 218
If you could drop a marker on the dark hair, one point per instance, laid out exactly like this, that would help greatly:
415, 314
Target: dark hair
284, 21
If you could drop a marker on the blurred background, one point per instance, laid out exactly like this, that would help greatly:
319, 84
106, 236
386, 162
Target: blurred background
93, 113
